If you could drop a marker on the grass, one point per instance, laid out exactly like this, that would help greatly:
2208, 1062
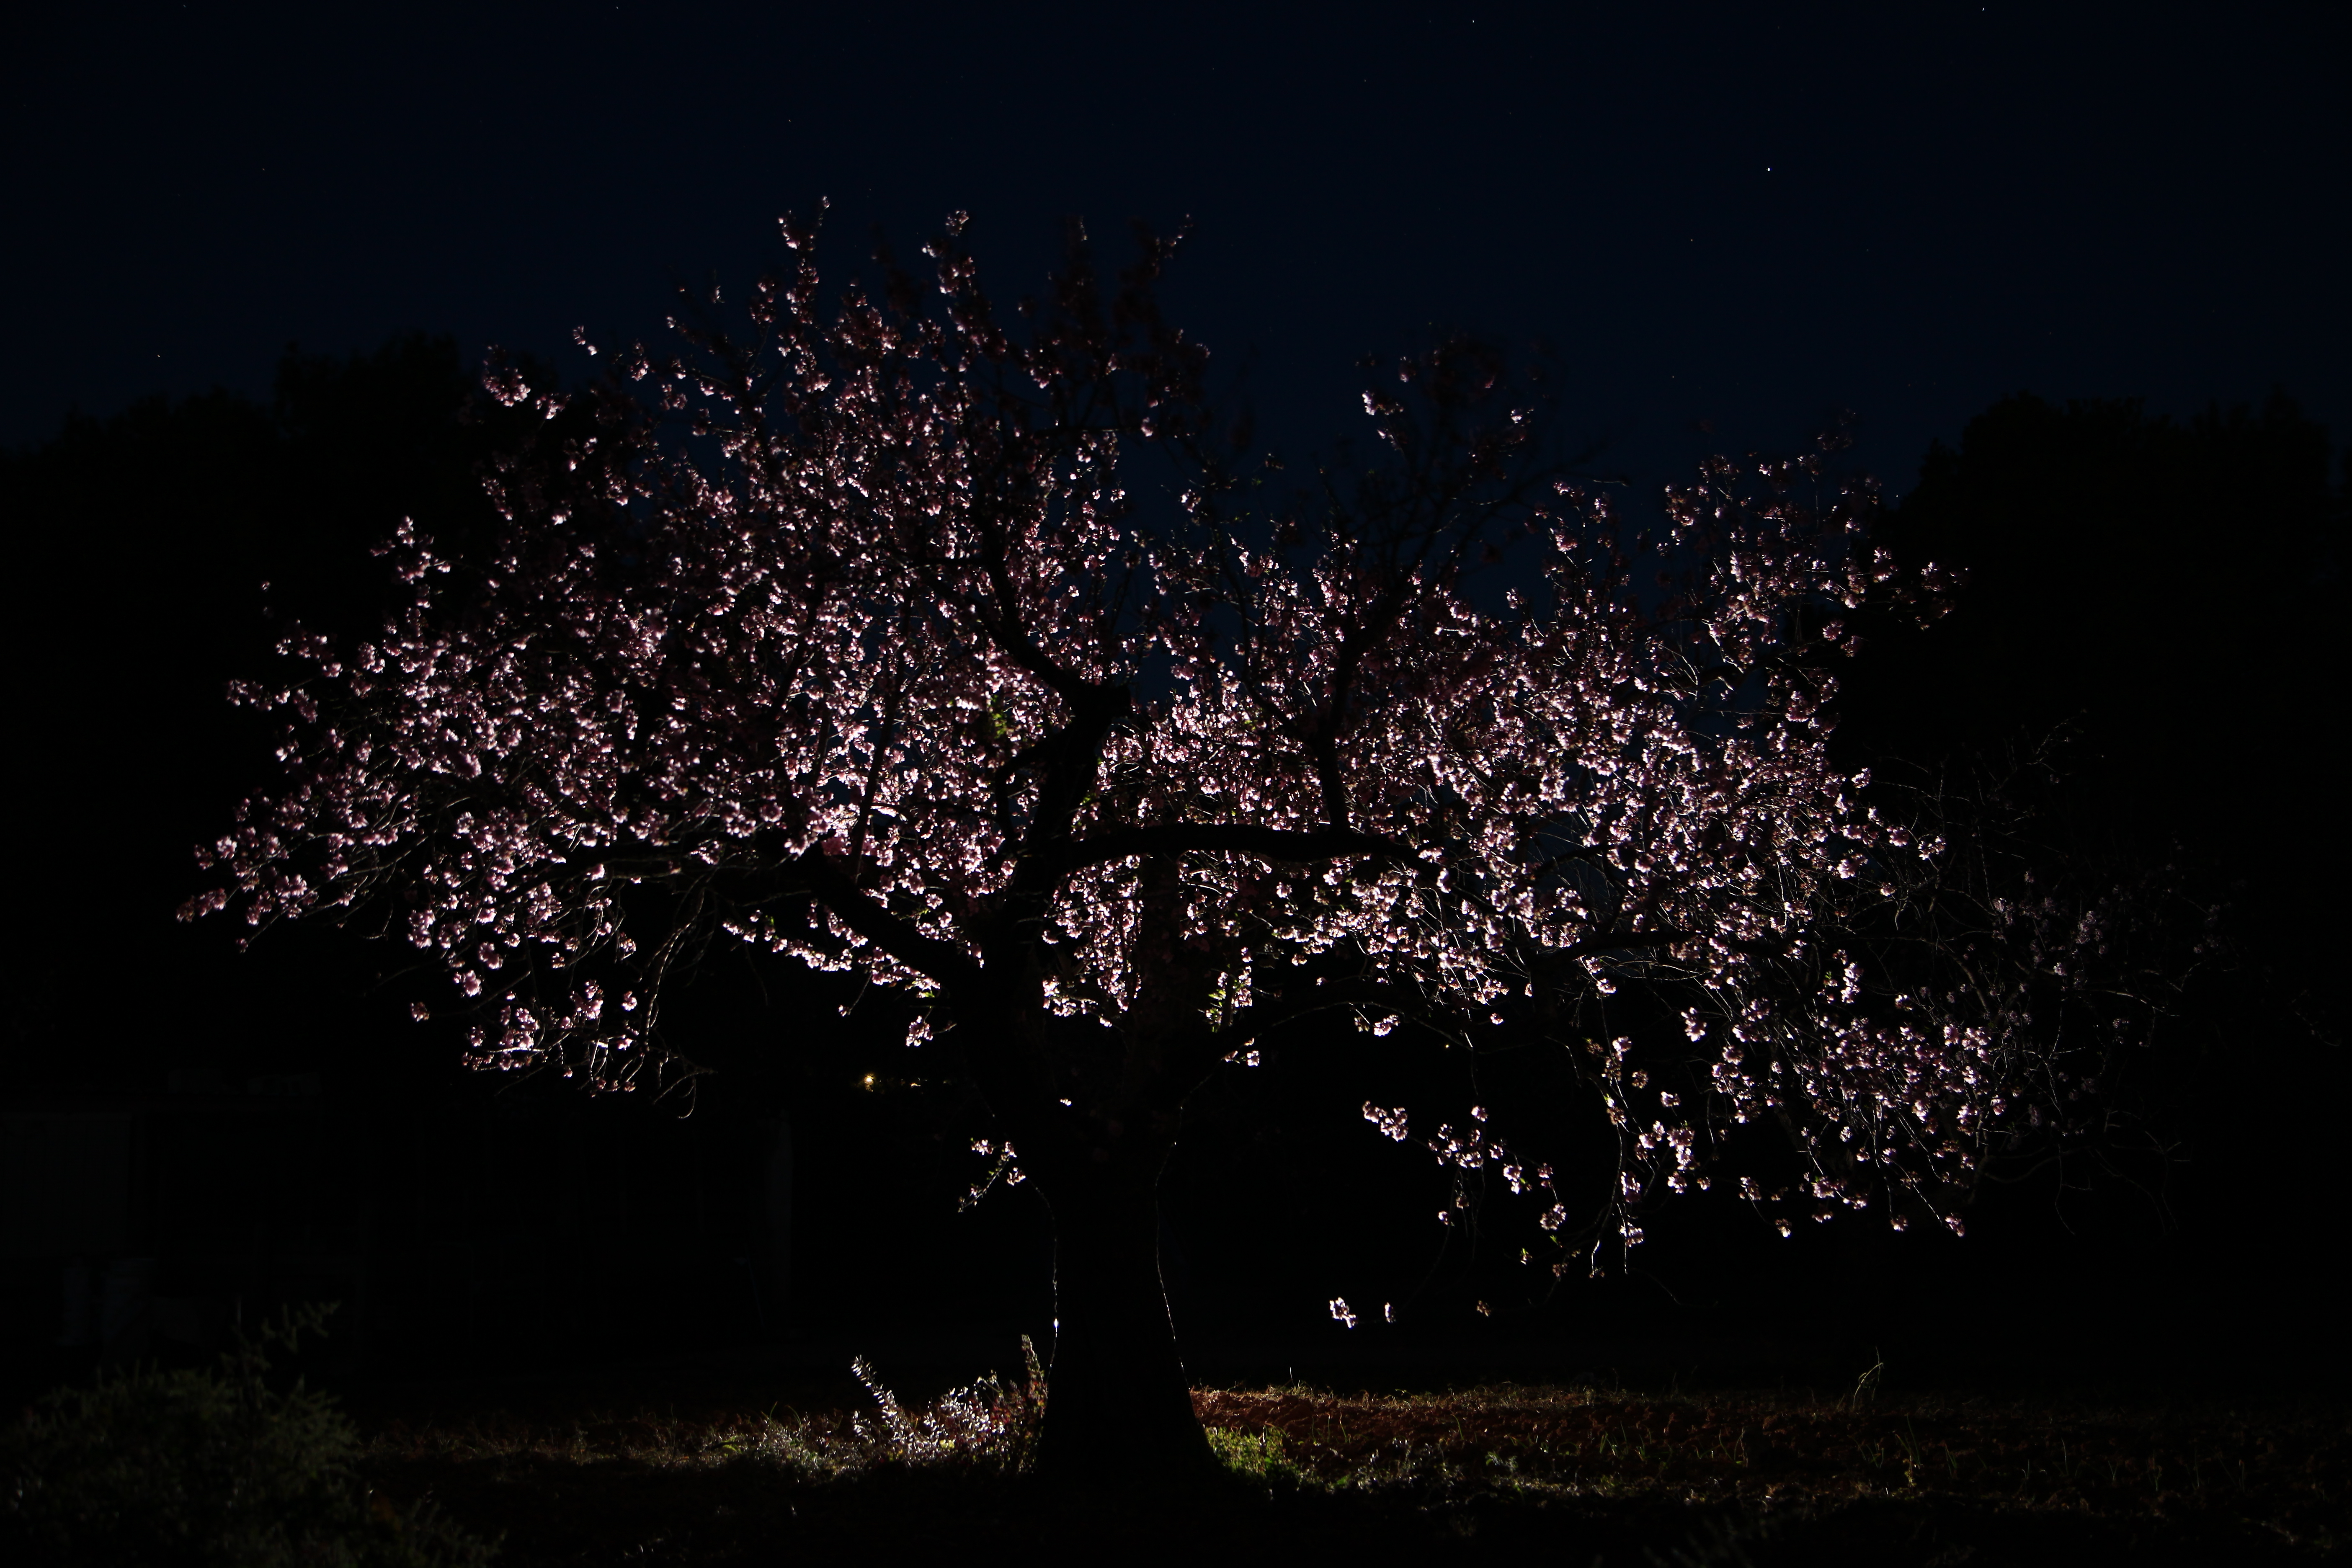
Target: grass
1584, 1475
2272, 1480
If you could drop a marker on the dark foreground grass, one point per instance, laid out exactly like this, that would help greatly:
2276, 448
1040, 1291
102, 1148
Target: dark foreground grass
1579, 1475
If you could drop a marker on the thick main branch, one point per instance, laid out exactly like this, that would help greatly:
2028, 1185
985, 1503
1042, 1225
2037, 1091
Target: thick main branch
1276, 844
942, 961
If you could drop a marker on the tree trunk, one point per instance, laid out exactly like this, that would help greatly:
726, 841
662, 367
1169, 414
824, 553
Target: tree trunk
1119, 1410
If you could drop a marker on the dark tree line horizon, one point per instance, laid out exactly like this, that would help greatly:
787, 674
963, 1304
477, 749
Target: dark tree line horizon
2135, 658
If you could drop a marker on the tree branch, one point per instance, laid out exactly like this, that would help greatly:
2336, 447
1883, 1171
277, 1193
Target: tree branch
1175, 837
1249, 1023
1004, 624
942, 961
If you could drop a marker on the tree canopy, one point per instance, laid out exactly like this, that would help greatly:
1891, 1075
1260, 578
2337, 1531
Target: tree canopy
984, 658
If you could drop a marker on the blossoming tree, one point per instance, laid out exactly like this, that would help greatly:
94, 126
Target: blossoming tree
855, 637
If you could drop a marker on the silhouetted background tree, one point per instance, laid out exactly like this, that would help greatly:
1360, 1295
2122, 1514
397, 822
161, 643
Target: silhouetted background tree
2146, 659
156, 554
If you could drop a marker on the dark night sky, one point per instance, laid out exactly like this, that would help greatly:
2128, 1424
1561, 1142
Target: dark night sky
1745, 215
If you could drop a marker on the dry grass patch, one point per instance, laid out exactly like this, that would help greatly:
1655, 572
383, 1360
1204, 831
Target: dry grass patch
1586, 1475
2279, 1474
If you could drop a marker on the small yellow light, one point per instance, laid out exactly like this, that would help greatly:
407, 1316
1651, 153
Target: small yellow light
869, 1080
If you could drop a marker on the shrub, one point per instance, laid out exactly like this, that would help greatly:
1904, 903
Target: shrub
204, 1467
1257, 1455
985, 1420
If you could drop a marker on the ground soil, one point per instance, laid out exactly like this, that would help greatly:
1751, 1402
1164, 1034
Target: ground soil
672, 1470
